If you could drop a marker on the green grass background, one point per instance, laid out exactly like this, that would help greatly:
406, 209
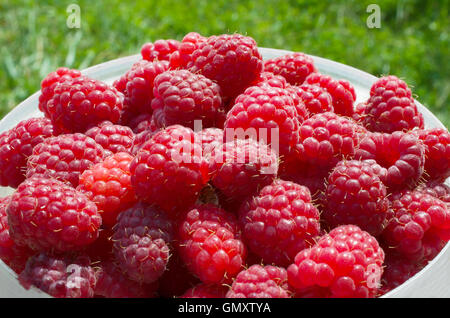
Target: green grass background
412, 43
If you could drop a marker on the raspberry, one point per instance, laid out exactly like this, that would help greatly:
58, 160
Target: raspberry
188, 45
437, 190
359, 114
346, 262
265, 113
260, 282
82, 103
210, 244
356, 195
108, 185
169, 170
49, 83
342, 92
415, 220
46, 214
302, 111
11, 254
294, 67
64, 157
17, 144
326, 139
390, 107
316, 99
238, 168
398, 270
210, 139
206, 291
270, 79
279, 222
60, 276
137, 86
437, 152
141, 242
402, 154
159, 50
232, 61
113, 138
112, 283
185, 97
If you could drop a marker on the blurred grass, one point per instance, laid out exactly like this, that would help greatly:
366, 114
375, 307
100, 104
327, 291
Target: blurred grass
412, 43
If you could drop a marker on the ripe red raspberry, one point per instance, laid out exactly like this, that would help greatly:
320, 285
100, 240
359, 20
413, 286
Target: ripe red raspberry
46, 214
265, 113
302, 112
113, 283
210, 244
60, 276
82, 103
13, 255
341, 91
414, 222
326, 138
108, 185
279, 222
210, 138
260, 282
64, 157
437, 190
239, 168
359, 114
437, 152
159, 50
137, 86
49, 83
316, 99
346, 262
402, 154
398, 270
390, 107
270, 79
169, 170
113, 138
294, 67
206, 291
182, 57
142, 237
233, 61
17, 144
184, 97
355, 194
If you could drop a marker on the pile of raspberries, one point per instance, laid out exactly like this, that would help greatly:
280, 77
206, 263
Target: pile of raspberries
206, 171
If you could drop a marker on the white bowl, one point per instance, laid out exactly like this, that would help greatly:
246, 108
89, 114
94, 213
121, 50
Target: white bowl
432, 281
